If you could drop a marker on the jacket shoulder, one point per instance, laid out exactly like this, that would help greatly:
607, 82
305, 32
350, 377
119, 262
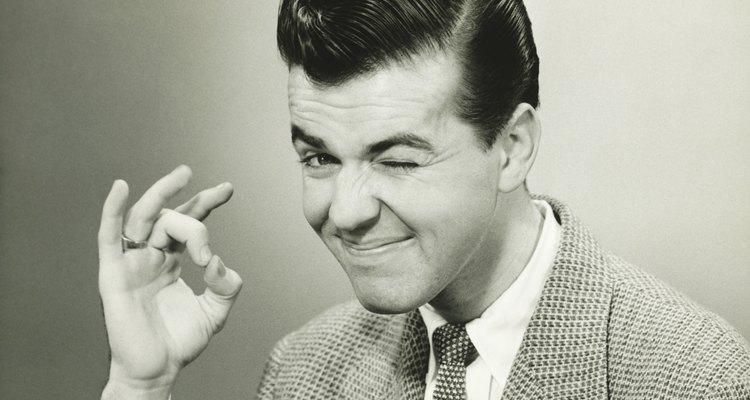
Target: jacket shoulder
661, 340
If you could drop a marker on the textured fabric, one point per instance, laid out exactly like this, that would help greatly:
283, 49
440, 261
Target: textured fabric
454, 351
504, 321
602, 329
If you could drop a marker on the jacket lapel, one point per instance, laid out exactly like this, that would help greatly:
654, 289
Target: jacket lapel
411, 367
564, 350
393, 365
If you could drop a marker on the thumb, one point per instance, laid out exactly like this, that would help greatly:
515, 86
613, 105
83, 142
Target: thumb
223, 286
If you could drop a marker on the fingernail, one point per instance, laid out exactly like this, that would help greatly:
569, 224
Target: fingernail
221, 185
183, 167
222, 269
205, 255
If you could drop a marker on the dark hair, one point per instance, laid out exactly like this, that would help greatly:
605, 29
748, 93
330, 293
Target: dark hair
336, 40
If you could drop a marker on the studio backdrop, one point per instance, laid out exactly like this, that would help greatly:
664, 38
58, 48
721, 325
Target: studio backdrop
645, 135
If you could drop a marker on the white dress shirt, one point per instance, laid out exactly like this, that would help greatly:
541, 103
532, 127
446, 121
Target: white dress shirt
498, 332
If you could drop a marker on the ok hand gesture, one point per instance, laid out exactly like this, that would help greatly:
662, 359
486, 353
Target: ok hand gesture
155, 323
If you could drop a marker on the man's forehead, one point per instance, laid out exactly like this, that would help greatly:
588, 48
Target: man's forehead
390, 106
431, 75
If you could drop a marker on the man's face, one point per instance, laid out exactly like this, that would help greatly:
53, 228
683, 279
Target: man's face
396, 185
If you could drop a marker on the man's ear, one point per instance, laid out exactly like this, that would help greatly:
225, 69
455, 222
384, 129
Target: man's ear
518, 145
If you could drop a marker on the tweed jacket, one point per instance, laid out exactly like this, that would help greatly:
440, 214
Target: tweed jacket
603, 329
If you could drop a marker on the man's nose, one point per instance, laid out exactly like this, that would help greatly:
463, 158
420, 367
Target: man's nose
353, 207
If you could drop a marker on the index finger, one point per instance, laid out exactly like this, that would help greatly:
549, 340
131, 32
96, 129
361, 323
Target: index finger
146, 210
201, 205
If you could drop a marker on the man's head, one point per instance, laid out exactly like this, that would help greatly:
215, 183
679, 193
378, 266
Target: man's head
335, 40
415, 202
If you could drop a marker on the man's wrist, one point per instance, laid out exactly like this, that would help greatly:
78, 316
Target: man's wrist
118, 388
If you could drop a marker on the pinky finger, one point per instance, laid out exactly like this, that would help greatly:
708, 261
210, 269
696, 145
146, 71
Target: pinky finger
110, 229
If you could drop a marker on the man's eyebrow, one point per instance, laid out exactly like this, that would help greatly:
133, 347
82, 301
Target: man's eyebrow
299, 134
407, 139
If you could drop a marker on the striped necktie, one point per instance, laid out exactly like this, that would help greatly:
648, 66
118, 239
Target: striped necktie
453, 351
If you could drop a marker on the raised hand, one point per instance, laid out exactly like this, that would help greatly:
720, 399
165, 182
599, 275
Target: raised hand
155, 323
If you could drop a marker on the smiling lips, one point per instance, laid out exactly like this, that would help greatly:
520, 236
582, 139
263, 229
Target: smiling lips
374, 246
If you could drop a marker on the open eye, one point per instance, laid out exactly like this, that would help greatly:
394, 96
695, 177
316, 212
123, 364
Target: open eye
319, 160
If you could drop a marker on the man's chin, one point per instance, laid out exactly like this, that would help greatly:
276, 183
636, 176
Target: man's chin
386, 305
387, 290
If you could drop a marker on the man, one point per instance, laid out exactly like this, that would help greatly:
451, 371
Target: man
416, 126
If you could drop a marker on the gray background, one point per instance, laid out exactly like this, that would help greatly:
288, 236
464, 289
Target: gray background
645, 112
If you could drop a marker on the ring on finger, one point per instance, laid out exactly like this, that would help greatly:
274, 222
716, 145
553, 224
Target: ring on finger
130, 244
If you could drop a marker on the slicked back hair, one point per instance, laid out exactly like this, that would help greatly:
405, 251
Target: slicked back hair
336, 40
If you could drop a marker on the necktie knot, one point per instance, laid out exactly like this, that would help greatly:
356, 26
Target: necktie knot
453, 352
452, 345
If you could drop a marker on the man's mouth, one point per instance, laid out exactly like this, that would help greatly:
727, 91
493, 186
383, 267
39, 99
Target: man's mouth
375, 246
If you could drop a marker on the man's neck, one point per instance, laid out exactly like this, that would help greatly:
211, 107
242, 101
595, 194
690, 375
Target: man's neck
515, 241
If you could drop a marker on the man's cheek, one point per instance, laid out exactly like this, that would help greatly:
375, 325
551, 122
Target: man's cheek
316, 201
